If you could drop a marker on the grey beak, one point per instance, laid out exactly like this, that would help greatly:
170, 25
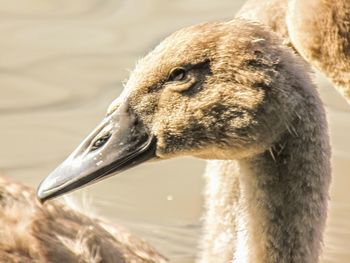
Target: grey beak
120, 142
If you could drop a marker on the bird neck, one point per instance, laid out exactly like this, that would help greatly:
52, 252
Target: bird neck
285, 193
271, 207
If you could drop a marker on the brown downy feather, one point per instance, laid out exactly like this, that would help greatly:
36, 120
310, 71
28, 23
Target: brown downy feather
32, 232
319, 30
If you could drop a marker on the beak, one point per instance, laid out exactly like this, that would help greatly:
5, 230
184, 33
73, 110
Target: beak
120, 142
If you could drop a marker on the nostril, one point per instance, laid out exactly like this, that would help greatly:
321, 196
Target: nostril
100, 141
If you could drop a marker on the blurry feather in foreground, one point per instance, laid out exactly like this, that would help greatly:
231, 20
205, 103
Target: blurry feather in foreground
32, 232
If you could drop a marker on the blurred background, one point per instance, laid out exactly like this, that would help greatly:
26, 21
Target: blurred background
62, 63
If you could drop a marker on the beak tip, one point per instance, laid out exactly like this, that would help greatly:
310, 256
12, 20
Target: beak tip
40, 194
43, 193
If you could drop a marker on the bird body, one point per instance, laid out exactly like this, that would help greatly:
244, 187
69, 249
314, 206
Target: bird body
319, 30
32, 232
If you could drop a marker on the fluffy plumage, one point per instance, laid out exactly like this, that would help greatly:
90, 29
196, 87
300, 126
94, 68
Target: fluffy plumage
32, 232
318, 29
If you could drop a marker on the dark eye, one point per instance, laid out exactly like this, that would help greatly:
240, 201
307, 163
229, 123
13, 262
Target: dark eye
100, 141
177, 74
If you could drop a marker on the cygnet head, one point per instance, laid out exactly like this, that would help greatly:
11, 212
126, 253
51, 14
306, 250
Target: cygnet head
219, 90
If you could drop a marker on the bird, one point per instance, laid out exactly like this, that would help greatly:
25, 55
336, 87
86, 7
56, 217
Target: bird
54, 232
232, 93
319, 30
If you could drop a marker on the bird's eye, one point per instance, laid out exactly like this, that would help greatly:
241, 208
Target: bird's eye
177, 74
100, 141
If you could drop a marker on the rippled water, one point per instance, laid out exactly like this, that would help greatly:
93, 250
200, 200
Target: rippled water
62, 62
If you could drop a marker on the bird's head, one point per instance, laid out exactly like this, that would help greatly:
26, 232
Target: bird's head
220, 90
